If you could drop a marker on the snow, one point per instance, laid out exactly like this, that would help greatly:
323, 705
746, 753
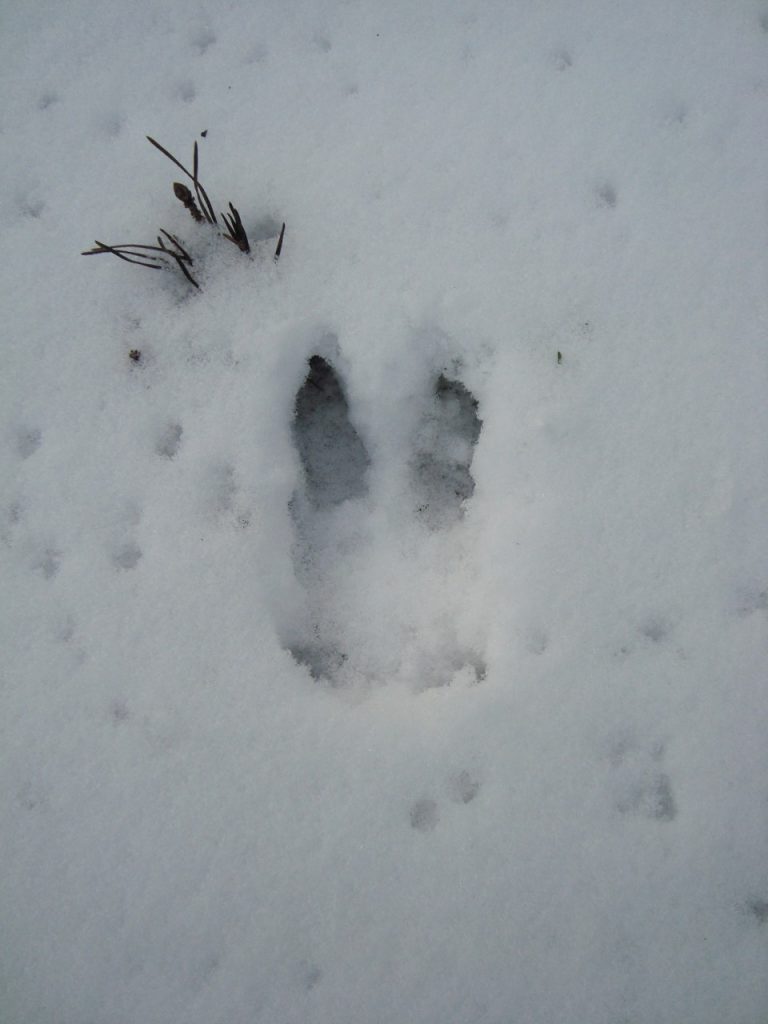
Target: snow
440, 696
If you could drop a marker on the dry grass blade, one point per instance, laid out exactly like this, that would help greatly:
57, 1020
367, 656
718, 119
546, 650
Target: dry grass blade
180, 258
177, 243
207, 205
130, 247
129, 253
279, 248
194, 179
202, 195
142, 255
138, 262
170, 156
182, 267
198, 187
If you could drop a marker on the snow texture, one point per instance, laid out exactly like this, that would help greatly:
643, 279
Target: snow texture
384, 629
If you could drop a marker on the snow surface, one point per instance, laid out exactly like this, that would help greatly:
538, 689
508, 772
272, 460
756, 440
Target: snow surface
458, 733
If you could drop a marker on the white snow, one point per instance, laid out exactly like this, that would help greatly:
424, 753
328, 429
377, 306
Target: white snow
461, 734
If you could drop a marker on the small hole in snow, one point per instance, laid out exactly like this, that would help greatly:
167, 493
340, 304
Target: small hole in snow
127, 557
606, 195
759, 910
463, 788
424, 815
28, 441
118, 710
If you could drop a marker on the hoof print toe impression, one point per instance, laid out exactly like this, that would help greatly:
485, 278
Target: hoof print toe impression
331, 452
334, 470
444, 452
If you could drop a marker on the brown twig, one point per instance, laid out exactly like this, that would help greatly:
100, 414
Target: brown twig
279, 248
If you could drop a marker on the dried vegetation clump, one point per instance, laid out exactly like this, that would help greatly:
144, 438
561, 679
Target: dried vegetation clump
169, 251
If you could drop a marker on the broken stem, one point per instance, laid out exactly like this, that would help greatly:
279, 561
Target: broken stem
279, 248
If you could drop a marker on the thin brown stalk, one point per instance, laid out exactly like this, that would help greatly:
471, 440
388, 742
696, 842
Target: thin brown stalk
196, 182
170, 156
198, 186
124, 253
141, 254
279, 248
207, 205
177, 243
202, 195
180, 259
182, 267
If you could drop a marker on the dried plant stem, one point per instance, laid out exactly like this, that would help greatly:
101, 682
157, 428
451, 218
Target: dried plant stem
143, 255
279, 248
202, 195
